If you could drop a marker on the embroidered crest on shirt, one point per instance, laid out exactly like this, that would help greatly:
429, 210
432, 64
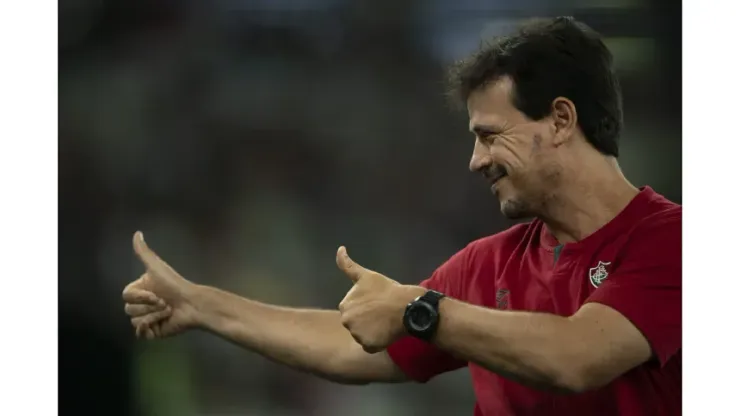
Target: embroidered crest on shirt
599, 273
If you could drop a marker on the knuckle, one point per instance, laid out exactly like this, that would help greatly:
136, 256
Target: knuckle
362, 340
370, 348
345, 305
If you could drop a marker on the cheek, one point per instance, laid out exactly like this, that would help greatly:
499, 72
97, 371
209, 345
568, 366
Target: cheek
512, 153
549, 171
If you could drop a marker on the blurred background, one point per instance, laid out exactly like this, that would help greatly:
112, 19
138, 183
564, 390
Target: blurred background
249, 139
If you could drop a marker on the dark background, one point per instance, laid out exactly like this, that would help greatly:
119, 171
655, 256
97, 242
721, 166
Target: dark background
249, 139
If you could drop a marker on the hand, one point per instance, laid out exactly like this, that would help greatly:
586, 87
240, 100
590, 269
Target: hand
159, 302
373, 309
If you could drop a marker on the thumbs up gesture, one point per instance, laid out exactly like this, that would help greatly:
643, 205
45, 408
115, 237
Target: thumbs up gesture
159, 301
373, 309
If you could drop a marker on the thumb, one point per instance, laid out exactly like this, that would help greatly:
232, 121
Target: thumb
145, 254
353, 270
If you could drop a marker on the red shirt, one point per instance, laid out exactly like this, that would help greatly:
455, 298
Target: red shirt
632, 264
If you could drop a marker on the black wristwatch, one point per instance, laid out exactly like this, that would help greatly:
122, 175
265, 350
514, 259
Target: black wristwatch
422, 315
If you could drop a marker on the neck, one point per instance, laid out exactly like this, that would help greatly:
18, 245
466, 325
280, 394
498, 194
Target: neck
587, 202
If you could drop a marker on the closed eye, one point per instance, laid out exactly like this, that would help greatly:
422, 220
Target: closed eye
486, 134
489, 138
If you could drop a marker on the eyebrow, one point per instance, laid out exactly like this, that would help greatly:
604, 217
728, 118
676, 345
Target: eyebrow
483, 130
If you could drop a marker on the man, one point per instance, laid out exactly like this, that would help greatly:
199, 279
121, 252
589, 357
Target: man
577, 312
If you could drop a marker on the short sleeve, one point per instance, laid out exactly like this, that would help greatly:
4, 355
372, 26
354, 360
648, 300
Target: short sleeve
645, 286
420, 360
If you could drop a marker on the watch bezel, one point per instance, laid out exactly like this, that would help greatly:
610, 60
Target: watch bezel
414, 308
430, 306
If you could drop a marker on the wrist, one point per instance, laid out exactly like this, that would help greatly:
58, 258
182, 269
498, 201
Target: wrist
413, 292
406, 295
201, 306
421, 315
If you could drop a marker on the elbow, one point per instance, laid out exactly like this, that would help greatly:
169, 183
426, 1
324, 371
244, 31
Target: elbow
570, 385
343, 378
578, 379
340, 371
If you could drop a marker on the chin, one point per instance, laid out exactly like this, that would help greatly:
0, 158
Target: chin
514, 210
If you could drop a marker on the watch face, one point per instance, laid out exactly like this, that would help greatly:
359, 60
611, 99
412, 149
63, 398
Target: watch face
420, 317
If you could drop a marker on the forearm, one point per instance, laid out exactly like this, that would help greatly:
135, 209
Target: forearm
312, 341
537, 349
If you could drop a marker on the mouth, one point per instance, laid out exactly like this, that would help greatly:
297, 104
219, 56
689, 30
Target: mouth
496, 176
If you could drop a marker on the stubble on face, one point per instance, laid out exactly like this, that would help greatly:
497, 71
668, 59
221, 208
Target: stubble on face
515, 144
535, 189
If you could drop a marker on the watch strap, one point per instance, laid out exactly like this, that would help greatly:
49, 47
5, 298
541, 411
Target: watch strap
429, 300
432, 297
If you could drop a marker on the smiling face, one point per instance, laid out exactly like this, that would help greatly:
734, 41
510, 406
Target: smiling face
517, 155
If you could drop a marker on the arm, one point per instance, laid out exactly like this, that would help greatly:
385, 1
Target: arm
308, 340
570, 355
632, 317
163, 303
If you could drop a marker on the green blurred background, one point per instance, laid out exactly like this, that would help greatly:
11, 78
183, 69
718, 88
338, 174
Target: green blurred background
249, 139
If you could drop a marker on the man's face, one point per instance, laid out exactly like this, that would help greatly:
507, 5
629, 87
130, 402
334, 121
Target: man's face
514, 153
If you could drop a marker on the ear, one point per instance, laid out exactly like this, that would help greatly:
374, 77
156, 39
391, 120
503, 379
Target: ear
565, 118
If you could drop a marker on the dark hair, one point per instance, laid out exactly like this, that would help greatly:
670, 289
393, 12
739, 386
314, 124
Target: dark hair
546, 59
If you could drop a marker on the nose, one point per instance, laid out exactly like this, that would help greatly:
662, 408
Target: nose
481, 158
